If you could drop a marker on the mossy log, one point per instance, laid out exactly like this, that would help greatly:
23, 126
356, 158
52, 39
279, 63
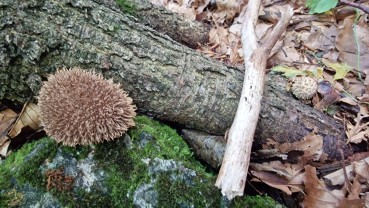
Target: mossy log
167, 80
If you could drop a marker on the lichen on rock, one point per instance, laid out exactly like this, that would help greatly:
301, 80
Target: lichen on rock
126, 172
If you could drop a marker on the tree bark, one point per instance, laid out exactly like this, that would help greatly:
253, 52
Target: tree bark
166, 80
180, 29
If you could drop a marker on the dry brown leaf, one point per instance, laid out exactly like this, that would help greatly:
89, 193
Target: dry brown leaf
287, 170
359, 131
329, 94
188, 12
7, 118
353, 199
317, 194
321, 37
348, 100
352, 203
273, 180
286, 177
355, 191
346, 45
4, 148
360, 167
28, 117
286, 56
338, 178
311, 146
354, 87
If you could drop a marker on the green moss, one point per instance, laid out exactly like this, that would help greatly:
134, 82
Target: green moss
79, 152
255, 202
114, 158
127, 7
81, 198
11, 198
171, 144
125, 172
177, 192
23, 165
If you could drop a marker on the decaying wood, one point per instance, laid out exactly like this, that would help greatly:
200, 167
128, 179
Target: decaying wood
233, 172
208, 148
283, 119
166, 80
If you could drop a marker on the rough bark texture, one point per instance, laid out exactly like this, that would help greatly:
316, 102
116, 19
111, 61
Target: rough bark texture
166, 80
180, 29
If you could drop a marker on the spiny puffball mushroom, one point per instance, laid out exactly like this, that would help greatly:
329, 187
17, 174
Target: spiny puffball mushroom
81, 107
304, 87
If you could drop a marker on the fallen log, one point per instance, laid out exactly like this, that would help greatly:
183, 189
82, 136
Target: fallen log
283, 119
167, 80
180, 29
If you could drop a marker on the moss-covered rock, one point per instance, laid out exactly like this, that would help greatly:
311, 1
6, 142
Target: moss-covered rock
149, 167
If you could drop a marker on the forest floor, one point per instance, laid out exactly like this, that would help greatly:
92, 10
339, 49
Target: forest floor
330, 50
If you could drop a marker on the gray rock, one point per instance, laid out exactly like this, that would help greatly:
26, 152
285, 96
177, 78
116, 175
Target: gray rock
145, 196
34, 198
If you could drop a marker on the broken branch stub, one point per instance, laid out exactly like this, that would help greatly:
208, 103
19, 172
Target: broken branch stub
232, 175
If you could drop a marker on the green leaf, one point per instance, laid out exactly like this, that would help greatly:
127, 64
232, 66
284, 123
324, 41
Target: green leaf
288, 71
341, 69
320, 6
316, 72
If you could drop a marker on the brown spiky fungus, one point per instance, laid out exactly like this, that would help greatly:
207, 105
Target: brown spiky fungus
304, 87
81, 107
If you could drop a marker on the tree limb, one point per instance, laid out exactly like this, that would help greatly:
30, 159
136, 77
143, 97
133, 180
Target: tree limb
233, 172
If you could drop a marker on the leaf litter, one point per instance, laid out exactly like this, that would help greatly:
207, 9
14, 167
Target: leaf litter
16, 129
323, 46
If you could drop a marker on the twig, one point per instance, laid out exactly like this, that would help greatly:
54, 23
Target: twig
356, 5
357, 45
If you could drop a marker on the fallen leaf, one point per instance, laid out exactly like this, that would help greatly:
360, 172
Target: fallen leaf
276, 181
338, 178
355, 191
361, 168
329, 94
347, 47
317, 194
288, 71
7, 118
358, 131
348, 100
341, 68
28, 117
4, 148
311, 146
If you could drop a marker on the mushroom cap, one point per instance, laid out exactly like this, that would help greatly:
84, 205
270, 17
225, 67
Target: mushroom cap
81, 107
304, 87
